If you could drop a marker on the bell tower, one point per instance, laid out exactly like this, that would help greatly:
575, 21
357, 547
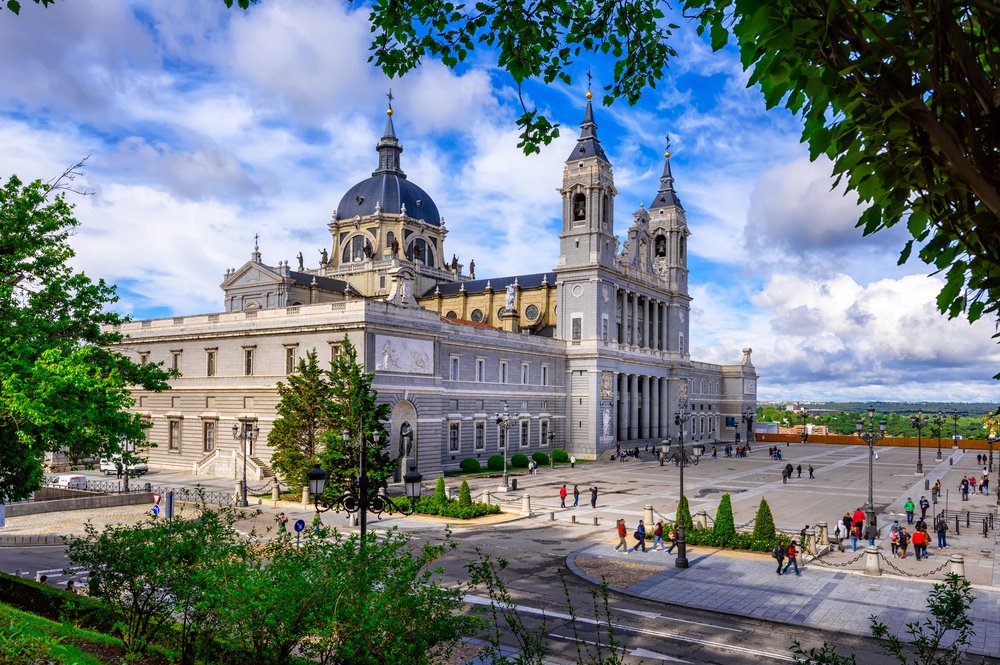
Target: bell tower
588, 193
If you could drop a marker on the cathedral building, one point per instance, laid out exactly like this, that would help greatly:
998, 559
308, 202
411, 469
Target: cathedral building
590, 354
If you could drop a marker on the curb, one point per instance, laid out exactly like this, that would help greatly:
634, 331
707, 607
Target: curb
22, 541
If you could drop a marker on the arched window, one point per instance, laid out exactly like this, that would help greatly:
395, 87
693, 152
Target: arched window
683, 241
608, 222
354, 249
579, 208
660, 246
419, 251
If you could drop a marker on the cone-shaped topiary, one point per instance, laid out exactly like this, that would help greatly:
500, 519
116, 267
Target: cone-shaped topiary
440, 495
688, 523
464, 496
724, 528
763, 526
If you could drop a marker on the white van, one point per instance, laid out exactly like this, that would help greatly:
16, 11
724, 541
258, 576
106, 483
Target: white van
109, 467
71, 481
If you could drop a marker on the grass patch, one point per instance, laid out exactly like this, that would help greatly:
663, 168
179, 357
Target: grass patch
25, 637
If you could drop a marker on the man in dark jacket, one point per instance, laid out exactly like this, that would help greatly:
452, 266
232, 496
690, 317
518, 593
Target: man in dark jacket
871, 532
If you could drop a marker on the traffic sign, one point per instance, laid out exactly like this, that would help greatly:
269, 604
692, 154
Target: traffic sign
156, 499
300, 526
156, 510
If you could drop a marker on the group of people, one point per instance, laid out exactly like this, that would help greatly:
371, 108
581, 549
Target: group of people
774, 452
791, 552
621, 454
900, 538
855, 527
640, 537
738, 451
563, 493
788, 470
969, 485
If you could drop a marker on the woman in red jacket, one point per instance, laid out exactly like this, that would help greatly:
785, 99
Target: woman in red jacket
793, 554
622, 532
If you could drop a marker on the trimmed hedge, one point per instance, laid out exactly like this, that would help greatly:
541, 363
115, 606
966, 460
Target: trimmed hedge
470, 465
56, 604
725, 526
428, 505
541, 458
495, 463
560, 456
763, 526
519, 461
440, 493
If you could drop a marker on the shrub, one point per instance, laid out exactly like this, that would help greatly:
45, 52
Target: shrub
560, 456
725, 526
440, 493
763, 526
684, 512
464, 496
426, 505
495, 463
470, 465
519, 461
541, 458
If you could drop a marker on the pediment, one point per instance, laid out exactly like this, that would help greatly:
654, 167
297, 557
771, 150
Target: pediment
252, 274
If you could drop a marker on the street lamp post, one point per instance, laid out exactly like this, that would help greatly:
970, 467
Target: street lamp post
866, 429
503, 423
939, 423
748, 418
681, 458
361, 496
805, 432
919, 421
245, 432
954, 435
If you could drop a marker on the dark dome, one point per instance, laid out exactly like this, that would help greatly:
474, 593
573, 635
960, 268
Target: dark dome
391, 191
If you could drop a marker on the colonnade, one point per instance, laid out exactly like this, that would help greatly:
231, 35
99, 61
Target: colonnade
643, 411
642, 321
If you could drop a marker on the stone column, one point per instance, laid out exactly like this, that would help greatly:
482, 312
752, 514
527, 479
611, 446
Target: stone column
275, 490
635, 319
700, 520
654, 320
665, 329
654, 404
633, 395
622, 406
871, 562
810, 544
666, 417
647, 515
956, 564
526, 505
823, 537
644, 434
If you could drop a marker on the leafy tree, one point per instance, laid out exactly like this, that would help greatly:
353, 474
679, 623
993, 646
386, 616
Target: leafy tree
303, 415
61, 388
724, 527
355, 416
684, 515
763, 525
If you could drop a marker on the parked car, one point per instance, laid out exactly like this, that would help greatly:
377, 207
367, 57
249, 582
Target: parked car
109, 466
71, 481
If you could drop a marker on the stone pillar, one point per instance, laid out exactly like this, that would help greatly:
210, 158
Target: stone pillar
654, 404
810, 543
622, 406
239, 491
654, 320
700, 520
647, 325
956, 564
872, 567
486, 497
275, 490
823, 537
666, 418
647, 514
526, 505
633, 394
664, 329
644, 433
305, 497
635, 319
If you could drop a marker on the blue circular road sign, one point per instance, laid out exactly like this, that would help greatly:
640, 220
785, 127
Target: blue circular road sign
300, 525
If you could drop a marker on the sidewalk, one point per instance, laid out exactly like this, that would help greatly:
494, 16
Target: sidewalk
745, 584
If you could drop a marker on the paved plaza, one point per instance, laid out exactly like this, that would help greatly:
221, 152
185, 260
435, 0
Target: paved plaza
825, 596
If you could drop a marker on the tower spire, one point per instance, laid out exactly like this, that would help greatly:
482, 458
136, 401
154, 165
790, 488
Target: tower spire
588, 145
388, 147
666, 196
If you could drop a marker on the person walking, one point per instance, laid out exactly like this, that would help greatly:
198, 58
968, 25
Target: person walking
673, 539
918, 543
848, 522
859, 520
894, 538
793, 559
658, 536
811, 471
562, 496
855, 534
317, 523
576, 495
593, 497
282, 522
640, 536
871, 533
904, 541
941, 527
840, 533
622, 532
799, 469
924, 505
908, 509
779, 553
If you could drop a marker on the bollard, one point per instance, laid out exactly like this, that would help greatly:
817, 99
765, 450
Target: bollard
927, 483
572, 519
957, 531
967, 519
352, 519
275, 490
956, 565
552, 517
239, 491
595, 521
487, 493
305, 496
823, 536
951, 461
810, 543
701, 520
871, 562
647, 515
526, 505
985, 530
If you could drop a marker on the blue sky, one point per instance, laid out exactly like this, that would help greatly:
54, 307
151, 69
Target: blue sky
205, 126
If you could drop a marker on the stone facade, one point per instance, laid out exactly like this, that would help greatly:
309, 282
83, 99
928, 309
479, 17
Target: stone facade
591, 354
